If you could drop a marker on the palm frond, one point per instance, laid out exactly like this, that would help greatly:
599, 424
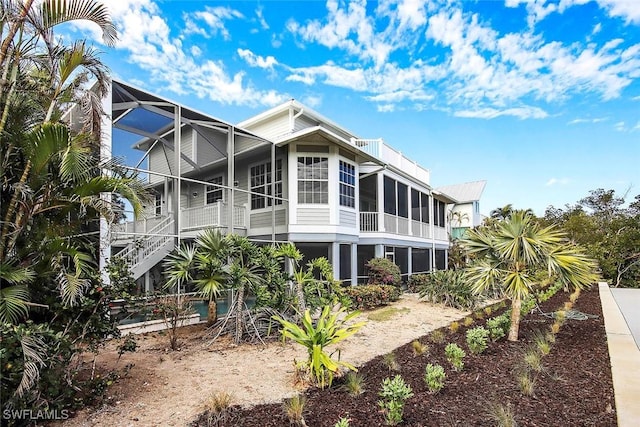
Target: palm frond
54, 12
33, 352
14, 303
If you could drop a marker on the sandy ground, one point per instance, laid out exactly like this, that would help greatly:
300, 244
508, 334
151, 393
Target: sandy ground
167, 388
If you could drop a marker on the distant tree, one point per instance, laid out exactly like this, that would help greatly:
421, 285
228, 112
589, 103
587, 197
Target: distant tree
608, 231
502, 212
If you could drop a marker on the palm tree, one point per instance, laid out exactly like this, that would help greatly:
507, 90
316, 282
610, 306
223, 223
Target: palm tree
502, 213
509, 255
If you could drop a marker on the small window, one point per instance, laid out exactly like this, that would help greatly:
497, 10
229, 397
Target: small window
213, 193
158, 204
347, 184
260, 183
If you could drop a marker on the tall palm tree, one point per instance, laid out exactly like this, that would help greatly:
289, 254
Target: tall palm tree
509, 255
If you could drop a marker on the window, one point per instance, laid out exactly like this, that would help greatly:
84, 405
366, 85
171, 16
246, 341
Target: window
403, 201
389, 196
158, 204
438, 213
415, 205
419, 206
213, 193
424, 202
347, 184
260, 182
313, 180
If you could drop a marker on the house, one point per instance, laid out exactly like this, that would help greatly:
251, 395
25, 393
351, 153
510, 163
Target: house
465, 213
287, 174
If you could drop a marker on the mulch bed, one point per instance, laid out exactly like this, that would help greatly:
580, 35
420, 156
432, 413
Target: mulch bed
574, 387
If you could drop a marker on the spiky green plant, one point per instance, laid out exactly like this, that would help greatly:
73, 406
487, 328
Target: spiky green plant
330, 328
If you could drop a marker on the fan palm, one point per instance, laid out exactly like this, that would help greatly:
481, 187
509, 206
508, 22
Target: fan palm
509, 255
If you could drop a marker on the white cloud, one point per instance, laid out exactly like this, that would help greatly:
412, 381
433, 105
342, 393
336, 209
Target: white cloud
214, 18
628, 10
590, 120
145, 37
260, 17
557, 181
620, 127
636, 127
254, 60
492, 113
596, 29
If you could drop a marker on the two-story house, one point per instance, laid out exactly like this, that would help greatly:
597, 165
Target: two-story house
287, 174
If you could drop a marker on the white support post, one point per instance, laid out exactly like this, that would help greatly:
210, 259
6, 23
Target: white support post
354, 264
335, 258
231, 175
380, 202
104, 248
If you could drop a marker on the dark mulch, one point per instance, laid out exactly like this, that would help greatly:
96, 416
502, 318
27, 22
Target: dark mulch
573, 389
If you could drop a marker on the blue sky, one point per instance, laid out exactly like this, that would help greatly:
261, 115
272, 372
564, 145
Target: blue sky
540, 98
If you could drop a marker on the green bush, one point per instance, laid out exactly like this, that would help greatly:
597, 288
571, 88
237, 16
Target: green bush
434, 376
498, 326
477, 339
455, 355
394, 394
371, 296
382, 271
329, 329
448, 287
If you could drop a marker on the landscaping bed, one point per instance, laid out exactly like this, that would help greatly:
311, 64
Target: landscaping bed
574, 387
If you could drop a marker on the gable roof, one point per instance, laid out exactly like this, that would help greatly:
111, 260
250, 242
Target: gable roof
465, 192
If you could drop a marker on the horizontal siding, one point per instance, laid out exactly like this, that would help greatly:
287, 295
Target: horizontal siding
313, 216
263, 219
276, 126
303, 122
211, 146
348, 218
158, 162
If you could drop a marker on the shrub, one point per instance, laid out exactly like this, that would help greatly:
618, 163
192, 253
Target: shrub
365, 297
217, 407
455, 355
390, 361
382, 271
498, 327
329, 329
354, 383
434, 376
437, 336
448, 287
417, 281
294, 407
454, 327
477, 339
468, 321
394, 394
418, 347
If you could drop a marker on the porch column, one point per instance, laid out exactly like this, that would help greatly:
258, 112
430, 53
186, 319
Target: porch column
334, 251
379, 251
177, 160
380, 203
409, 262
105, 154
354, 264
230, 175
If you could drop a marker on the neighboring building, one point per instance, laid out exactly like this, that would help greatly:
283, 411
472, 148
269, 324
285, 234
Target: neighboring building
465, 214
288, 174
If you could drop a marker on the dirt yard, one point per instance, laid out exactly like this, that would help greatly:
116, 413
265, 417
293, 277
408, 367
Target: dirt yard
168, 388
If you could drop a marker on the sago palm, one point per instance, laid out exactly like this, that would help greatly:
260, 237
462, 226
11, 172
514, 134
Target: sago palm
510, 254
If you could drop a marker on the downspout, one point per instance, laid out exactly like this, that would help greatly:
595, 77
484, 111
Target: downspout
293, 117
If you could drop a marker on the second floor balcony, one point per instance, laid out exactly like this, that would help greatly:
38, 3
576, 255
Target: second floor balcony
378, 222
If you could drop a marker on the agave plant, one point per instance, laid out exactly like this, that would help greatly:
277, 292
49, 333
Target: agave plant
329, 329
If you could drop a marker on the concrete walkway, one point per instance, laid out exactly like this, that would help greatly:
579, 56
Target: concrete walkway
621, 312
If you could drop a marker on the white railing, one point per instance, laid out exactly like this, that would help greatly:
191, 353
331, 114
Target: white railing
139, 250
421, 229
440, 233
369, 146
369, 221
126, 229
379, 149
213, 215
